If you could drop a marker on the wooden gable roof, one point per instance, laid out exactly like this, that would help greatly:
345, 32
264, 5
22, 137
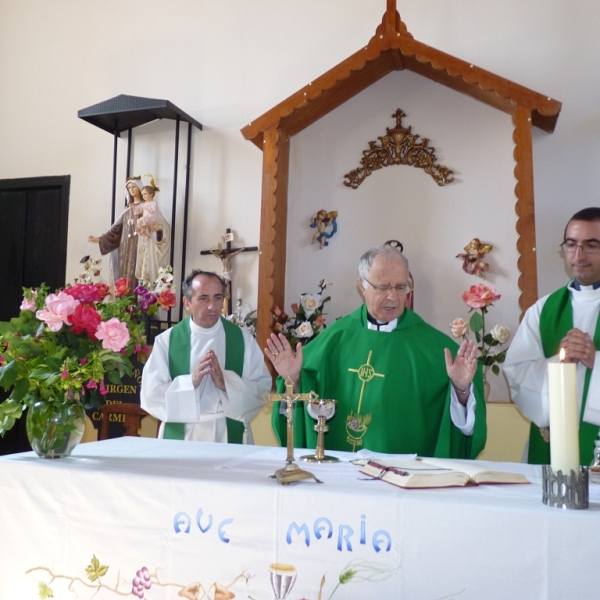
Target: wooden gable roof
392, 48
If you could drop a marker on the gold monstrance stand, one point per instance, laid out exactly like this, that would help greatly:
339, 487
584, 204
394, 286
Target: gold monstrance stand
291, 472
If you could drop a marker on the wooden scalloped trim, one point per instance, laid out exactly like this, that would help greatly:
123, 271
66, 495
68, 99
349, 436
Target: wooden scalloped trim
525, 208
392, 41
273, 229
474, 75
271, 131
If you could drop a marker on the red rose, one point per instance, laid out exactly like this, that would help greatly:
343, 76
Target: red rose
276, 310
86, 318
294, 307
167, 299
480, 296
122, 287
277, 327
83, 292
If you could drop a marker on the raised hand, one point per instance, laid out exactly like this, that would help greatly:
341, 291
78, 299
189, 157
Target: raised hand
286, 362
462, 369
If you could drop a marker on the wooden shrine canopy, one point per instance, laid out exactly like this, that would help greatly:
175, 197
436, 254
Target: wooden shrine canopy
392, 48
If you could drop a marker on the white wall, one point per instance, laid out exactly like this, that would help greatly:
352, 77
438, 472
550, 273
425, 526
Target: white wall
227, 62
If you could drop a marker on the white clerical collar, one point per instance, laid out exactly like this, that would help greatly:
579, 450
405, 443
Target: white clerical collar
378, 326
205, 330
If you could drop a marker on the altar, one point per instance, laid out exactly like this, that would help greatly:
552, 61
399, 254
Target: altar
162, 519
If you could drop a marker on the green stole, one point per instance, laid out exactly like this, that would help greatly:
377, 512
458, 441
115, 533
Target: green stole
556, 320
179, 364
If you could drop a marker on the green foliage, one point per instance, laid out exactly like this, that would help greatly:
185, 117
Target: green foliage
476, 322
49, 423
95, 570
45, 591
347, 575
37, 363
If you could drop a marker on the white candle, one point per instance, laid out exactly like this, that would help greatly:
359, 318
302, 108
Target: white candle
564, 416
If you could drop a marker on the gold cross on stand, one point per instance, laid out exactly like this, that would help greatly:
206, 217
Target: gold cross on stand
291, 472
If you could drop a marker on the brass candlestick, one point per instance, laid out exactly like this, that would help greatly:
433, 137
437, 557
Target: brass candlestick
291, 472
321, 410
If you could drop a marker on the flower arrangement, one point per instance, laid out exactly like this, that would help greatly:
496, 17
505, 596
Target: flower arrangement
158, 294
247, 321
308, 318
479, 298
64, 344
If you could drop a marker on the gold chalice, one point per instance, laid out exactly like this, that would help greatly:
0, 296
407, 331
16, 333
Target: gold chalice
321, 410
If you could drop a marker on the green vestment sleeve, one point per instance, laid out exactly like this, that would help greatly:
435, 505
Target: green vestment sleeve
392, 390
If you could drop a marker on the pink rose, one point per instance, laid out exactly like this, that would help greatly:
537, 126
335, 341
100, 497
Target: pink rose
480, 296
114, 334
28, 304
459, 328
59, 308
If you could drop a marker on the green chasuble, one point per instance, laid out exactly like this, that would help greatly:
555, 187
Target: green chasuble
392, 389
179, 364
556, 319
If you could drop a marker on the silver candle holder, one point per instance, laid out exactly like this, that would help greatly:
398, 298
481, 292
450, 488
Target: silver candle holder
565, 491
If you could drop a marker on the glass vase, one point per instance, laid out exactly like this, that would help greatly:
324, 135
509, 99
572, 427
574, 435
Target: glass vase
55, 428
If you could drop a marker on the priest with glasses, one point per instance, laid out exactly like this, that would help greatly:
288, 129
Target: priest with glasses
567, 318
401, 385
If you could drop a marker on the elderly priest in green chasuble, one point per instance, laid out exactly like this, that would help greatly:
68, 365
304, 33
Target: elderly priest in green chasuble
401, 385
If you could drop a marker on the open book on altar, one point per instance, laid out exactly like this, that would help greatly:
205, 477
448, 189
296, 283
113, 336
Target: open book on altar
436, 472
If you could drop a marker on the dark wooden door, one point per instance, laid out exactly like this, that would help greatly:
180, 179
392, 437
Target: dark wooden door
33, 249
33, 239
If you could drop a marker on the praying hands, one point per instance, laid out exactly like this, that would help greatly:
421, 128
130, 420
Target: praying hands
209, 365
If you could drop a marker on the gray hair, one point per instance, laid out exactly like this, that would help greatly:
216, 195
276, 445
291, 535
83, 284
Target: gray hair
187, 286
366, 260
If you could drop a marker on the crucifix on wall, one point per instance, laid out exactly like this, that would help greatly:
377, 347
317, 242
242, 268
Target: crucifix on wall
226, 254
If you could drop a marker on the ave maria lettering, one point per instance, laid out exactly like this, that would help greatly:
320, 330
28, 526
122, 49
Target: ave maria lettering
322, 529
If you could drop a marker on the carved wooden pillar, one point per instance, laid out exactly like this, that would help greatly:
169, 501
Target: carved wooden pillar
525, 208
273, 229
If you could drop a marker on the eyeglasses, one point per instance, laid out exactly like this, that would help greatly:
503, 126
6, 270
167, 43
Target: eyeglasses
401, 288
589, 247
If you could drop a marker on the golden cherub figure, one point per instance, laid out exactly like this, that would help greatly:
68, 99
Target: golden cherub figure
472, 256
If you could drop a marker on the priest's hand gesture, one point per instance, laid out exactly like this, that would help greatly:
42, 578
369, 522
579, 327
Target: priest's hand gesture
286, 362
209, 366
579, 347
462, 369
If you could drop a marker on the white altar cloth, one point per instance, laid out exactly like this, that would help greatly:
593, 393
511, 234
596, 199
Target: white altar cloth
201, 520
